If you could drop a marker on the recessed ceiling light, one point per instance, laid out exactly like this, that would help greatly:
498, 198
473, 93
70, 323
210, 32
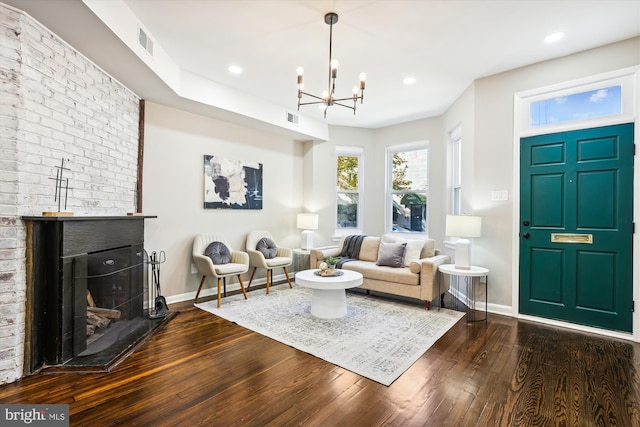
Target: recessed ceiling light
409, 80
234, 69
554, 37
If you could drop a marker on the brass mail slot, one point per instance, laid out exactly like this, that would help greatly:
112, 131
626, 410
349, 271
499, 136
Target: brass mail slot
571, 238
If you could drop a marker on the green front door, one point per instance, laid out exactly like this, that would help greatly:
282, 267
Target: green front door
576, 226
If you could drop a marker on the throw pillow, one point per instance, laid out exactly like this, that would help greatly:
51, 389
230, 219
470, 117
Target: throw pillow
391, 254
267, 247
218, 252
412, 253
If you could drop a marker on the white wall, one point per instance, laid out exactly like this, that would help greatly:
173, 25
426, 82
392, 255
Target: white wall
493, 148
174, 148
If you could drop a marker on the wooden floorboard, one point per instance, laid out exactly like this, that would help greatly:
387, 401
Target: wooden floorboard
199, 369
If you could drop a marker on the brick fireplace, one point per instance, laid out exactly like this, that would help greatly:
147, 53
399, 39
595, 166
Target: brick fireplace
77, 266
55, 104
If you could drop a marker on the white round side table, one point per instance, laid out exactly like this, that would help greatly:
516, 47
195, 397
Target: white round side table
474, 273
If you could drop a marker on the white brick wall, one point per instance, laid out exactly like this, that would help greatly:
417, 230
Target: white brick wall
55, 104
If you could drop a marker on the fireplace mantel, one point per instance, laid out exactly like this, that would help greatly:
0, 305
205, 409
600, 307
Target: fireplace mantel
59, 254
86, 217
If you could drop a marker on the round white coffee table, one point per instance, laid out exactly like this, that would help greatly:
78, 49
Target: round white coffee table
329, 299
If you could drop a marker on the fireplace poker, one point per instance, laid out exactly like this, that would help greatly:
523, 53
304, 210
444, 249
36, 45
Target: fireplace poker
161, 302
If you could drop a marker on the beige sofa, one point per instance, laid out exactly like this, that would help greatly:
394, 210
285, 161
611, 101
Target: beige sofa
416, 277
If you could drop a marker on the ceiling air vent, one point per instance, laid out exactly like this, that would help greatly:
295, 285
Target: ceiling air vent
292, 118
145, 41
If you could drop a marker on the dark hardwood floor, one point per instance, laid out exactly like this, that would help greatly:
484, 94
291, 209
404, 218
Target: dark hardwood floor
201, 370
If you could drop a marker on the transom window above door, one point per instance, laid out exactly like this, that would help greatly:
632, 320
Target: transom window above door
600, 102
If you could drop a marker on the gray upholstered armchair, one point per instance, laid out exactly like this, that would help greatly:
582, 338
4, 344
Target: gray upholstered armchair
229, 262
260, 243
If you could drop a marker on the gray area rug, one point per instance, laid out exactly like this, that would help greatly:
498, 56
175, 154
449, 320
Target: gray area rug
378, 339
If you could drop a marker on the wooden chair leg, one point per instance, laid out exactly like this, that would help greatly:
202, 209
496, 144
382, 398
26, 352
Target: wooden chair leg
224, 283
242, 287
199, 288
218, 292
251, 279
287, 274
268, 281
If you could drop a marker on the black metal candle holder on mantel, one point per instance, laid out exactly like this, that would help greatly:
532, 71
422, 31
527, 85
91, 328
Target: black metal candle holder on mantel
61, 183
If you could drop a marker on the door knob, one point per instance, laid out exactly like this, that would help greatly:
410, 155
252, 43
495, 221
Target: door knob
526, 235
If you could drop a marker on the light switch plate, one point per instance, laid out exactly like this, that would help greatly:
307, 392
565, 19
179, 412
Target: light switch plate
500, 195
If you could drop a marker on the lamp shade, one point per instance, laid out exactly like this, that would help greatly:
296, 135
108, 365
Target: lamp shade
463, 226
307, 221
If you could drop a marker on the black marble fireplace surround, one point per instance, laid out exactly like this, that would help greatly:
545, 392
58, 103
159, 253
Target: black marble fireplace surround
67, 258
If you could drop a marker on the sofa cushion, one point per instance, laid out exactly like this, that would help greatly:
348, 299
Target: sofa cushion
391, 254
371, 271
369, 249
429, 249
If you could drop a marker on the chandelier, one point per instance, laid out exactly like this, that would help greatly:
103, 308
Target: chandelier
328, 97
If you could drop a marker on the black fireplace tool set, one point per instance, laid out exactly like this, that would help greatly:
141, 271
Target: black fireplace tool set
160, 303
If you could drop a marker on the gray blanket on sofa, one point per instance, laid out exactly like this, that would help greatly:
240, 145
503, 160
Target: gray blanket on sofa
350, 249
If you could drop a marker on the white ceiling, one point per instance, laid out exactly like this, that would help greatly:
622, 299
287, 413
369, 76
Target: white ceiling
444, 44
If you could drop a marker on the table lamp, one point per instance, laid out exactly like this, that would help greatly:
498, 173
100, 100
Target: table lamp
307, 222
463, 226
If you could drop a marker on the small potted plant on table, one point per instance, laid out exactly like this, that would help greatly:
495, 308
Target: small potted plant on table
331, 262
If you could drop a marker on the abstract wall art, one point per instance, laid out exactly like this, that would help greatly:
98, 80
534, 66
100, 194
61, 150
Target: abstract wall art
232, 184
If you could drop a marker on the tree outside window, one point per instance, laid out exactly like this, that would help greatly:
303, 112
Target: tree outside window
408, 189
348, 191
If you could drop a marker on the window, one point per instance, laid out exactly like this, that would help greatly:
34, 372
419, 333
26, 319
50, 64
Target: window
407, 188
595, 101
578, 106
349, 188
456, 171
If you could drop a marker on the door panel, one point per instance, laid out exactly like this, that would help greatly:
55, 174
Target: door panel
596, 267
597, 188
546, 279
548, 190
576, 228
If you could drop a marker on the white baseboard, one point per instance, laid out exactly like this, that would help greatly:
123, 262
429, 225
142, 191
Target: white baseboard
213, 289
504, 310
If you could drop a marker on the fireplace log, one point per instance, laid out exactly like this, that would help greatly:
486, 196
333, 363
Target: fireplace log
91, 329
90, 301
105, 312
97, 320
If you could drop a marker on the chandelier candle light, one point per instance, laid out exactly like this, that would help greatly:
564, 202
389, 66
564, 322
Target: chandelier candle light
328, 97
